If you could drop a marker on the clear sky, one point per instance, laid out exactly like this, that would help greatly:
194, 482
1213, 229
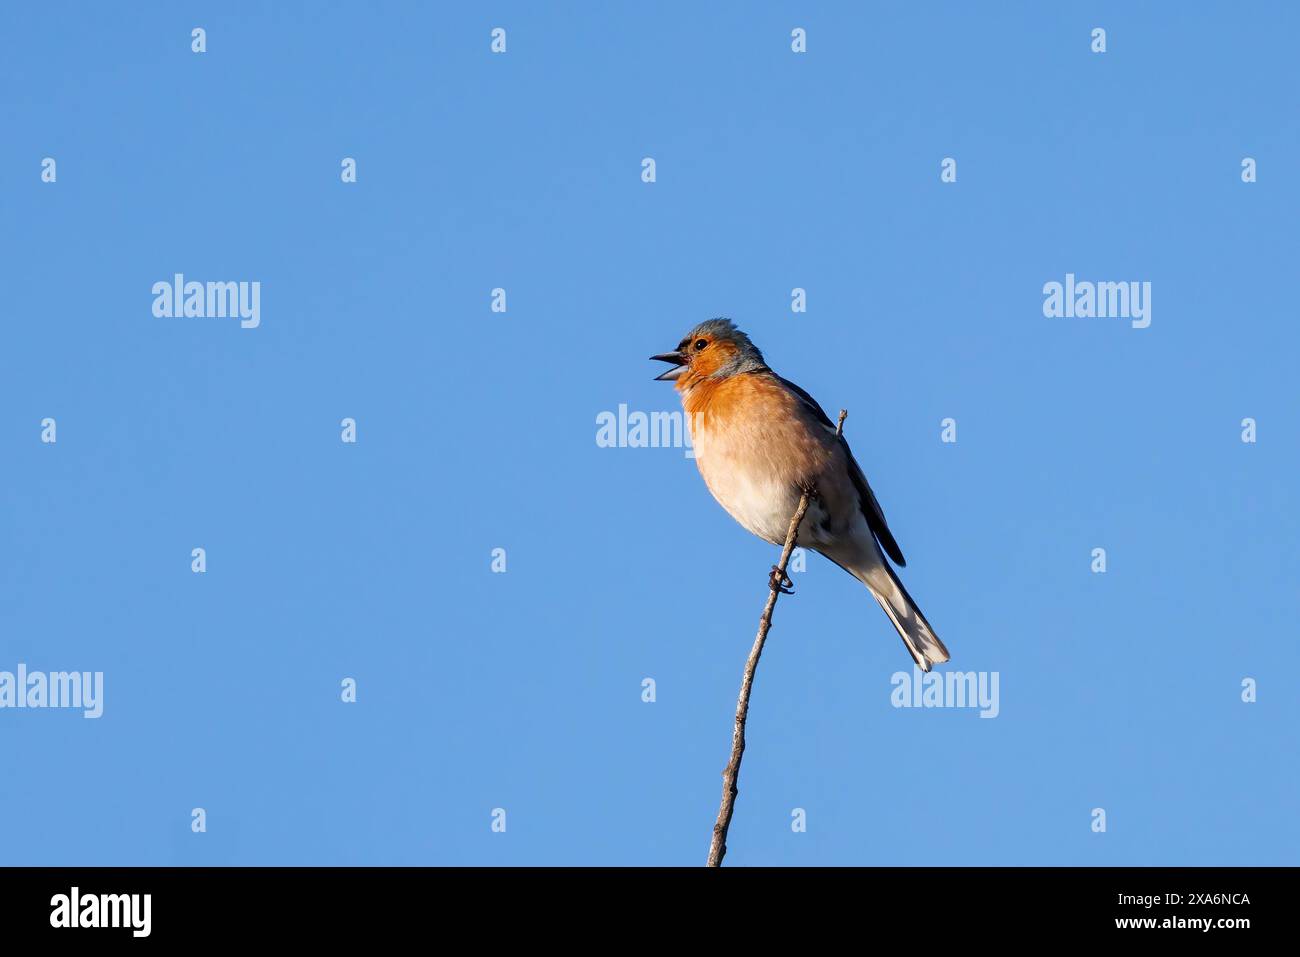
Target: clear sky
477, 430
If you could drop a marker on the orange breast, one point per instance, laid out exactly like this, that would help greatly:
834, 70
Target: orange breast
750, 423
740, 395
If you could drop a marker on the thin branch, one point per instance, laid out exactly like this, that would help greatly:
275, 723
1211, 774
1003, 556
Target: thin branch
778, 584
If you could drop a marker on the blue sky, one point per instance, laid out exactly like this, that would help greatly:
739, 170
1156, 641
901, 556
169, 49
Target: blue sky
476, 430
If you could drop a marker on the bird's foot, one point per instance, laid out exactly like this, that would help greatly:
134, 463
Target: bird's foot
780, 581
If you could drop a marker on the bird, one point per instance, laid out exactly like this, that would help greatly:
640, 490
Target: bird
761, 442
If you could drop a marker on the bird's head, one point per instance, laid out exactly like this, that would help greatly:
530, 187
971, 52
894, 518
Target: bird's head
712, 350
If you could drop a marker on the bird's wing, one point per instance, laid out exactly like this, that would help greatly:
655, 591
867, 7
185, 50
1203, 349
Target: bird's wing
874, 515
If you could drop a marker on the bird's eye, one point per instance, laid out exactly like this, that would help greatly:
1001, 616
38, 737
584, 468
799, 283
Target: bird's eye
700, 344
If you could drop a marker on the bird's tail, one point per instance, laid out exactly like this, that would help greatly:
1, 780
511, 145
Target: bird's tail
926, 648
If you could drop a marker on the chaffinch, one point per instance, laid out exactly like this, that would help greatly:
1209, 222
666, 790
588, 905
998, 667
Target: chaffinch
760, 441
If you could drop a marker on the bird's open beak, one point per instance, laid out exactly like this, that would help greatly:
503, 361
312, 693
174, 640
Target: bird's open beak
679, 365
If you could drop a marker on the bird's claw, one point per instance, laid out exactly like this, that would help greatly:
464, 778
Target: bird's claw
780, 581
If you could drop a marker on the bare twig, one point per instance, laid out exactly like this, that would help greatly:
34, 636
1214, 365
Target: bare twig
778, 584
